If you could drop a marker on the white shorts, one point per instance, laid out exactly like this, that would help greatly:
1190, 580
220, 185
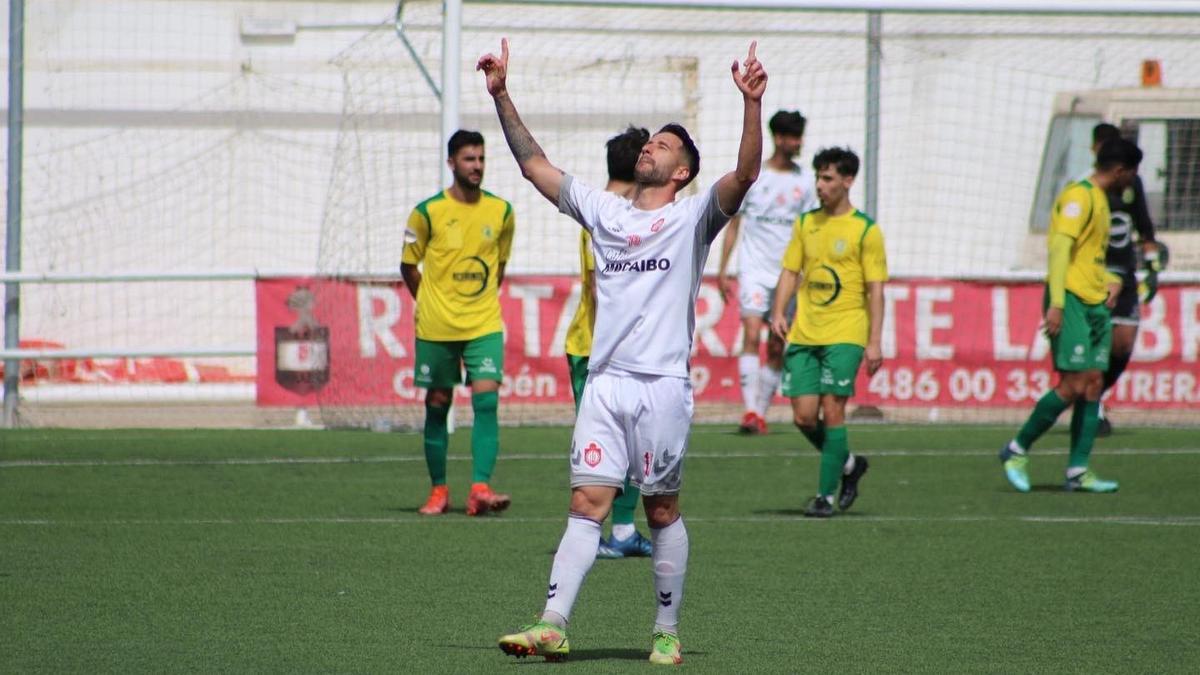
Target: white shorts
755, 296
632, 425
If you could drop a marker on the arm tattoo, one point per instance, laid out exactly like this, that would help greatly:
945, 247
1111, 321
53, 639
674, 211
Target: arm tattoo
520, 141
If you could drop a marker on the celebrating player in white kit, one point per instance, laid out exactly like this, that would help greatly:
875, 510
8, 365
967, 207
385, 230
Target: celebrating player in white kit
636, 412
783, 191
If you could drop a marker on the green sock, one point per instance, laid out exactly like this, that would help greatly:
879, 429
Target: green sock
1044, 414
624, 506
437, 439
816, 435
833, 455
1077, 420
1081, 448
485, 436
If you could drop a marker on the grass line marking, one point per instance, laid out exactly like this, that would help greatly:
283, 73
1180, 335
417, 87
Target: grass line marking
521, 457
1157, 521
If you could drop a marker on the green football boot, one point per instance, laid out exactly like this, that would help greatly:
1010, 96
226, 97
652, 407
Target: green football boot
665, 649
540, 638
1090, 482
1016, 468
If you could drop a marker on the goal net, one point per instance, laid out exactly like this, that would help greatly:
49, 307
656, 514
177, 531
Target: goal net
268, 154
970, 144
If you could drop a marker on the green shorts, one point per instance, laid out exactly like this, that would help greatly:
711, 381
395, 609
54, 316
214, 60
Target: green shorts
439, 364
577, 367
1085, 338
810, 370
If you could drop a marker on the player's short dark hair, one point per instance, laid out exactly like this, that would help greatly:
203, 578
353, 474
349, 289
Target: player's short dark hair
842, 159
623, 151
1104, 132
461, 139
1118, 152
787, 122
689, 149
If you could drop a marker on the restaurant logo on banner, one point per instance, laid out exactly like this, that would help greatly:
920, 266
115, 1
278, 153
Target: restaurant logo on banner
302, 348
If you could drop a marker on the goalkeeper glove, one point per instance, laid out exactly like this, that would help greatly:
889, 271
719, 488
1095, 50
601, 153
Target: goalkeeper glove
1154, 261
1148, 286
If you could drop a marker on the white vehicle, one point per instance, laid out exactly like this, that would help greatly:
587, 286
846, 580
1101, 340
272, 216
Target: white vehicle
1165, 123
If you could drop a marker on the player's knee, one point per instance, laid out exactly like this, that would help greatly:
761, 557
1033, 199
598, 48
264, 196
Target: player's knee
1121, 351
805, 421
661, 512
437, 398
834, 410
775, 354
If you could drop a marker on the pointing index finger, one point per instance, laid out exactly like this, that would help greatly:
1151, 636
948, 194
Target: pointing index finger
753, 46
504, 49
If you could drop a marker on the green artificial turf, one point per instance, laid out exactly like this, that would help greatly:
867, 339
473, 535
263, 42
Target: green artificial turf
301, 551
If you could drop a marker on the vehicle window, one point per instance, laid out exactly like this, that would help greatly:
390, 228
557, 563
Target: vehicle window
1067, 157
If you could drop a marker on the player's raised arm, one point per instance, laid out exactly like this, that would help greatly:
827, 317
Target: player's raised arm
751, 80
529, 155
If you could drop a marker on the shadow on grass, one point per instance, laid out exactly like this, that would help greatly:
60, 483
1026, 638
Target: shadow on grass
609, 653
599, 654
786, 513
1049, 487
799, 513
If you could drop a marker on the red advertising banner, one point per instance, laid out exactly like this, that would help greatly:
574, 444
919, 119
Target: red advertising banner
945, 342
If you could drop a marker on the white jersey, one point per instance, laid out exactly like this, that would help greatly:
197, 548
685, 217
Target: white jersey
766, 218
648, 268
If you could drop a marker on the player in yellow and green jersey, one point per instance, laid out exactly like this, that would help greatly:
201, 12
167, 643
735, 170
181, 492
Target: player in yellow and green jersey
461, 237
623, 150
836, 266
1080, 291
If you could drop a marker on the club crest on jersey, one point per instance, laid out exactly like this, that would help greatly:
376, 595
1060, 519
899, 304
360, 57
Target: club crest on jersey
487, 231
592, 454
658, 225
633, 240
839, 246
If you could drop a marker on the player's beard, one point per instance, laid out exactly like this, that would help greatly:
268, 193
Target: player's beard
649, 173
469, 180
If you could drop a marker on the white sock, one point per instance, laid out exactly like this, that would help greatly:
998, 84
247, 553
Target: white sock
576, 553
849, 465
670, 565
623, 530
748, 376
1075, 471
768, 382
1016, 447
1100, 413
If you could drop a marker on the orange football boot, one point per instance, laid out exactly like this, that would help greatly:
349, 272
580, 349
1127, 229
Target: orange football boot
438, 502
482, 500
749, 423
